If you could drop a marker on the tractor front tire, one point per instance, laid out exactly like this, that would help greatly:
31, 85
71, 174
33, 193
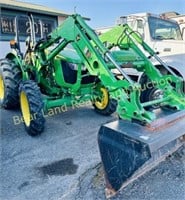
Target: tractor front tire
10, 77
32, 107
104, 105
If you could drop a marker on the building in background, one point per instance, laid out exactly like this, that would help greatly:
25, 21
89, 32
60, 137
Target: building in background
9, 9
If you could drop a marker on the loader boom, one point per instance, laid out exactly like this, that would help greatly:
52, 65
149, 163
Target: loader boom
99, 61
129, 150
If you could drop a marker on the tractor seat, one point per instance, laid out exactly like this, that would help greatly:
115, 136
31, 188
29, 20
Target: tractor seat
70, 74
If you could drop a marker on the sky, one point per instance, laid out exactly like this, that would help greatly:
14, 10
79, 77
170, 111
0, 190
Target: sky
105, 12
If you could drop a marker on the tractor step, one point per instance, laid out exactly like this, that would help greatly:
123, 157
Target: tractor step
128, 150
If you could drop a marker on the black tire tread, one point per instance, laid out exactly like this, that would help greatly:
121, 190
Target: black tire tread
36, 105
110, 108
12, 75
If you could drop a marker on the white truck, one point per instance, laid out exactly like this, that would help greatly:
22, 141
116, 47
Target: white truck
180, 19
162, 35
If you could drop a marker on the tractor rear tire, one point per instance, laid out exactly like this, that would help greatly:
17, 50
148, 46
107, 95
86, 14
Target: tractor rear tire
105, 105
32, 107
10, 77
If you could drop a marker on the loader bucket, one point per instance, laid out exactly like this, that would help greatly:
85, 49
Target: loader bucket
128, 150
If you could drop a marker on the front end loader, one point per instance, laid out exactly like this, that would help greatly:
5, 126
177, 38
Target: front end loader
129, 149
72, 64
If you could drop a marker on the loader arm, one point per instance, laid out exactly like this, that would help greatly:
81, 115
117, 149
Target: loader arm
128, 150
99, 61
124, 38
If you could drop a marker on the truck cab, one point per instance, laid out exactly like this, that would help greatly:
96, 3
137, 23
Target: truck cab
162, 35
179, 18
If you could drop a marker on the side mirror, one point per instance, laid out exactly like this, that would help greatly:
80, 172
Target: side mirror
183, 33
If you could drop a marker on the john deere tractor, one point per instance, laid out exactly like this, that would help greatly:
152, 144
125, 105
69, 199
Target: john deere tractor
72, 64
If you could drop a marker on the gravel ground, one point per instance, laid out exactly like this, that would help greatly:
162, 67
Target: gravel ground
64, 163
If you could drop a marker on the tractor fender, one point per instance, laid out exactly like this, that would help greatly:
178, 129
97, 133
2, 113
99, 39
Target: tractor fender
13, 57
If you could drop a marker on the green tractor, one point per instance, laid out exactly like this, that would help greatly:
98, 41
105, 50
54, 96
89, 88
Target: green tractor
73, 65
49, 75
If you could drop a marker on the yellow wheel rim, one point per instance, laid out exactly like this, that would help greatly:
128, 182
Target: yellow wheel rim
103, 102
25, 108
2, 88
